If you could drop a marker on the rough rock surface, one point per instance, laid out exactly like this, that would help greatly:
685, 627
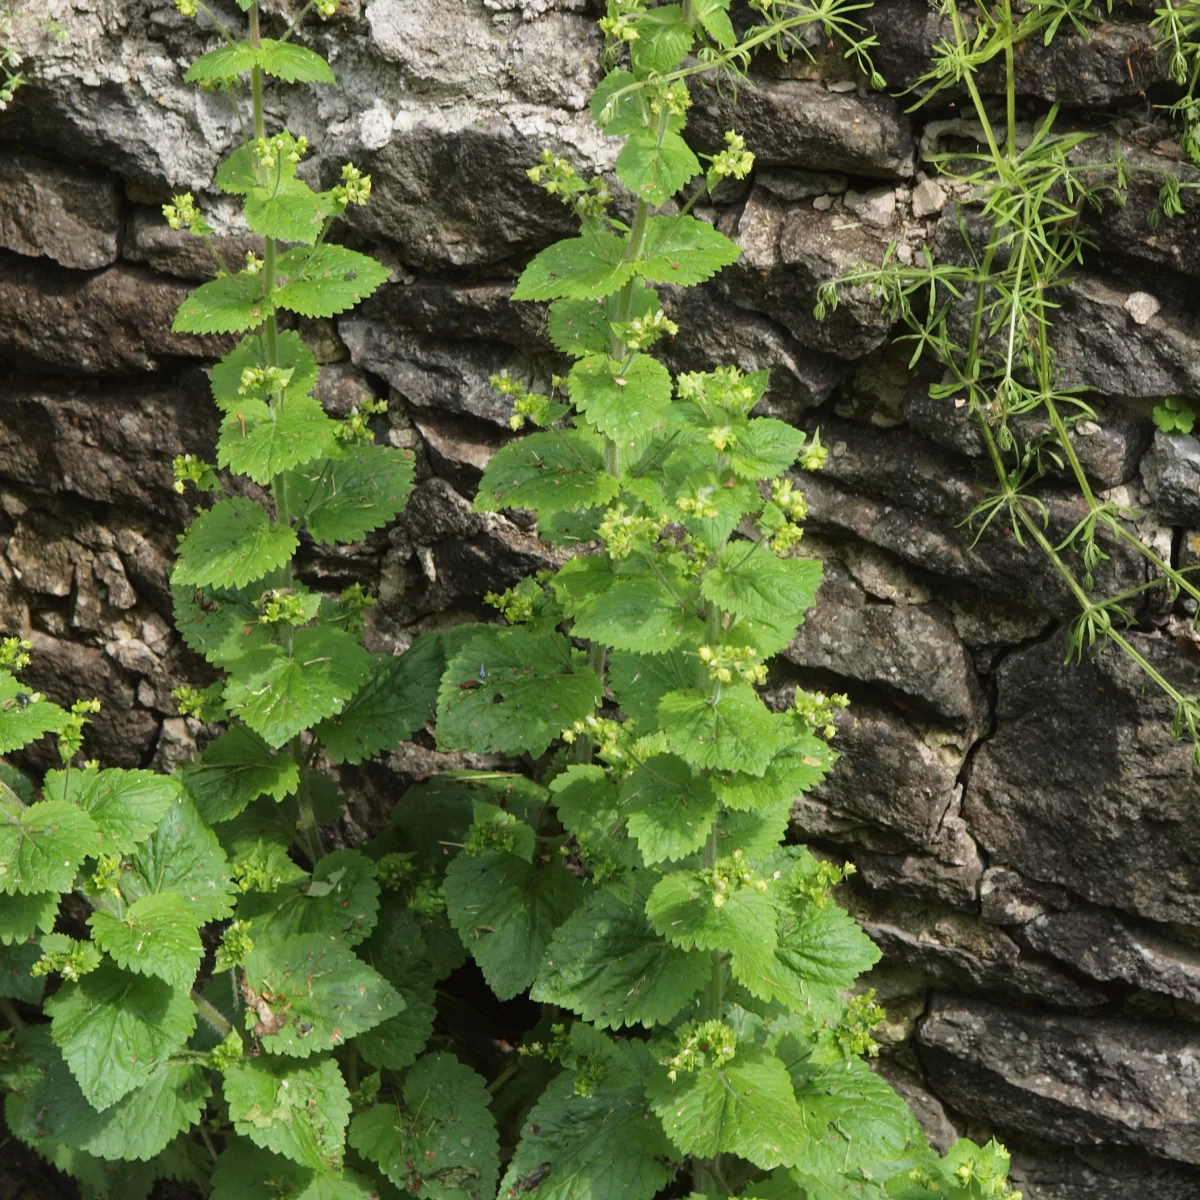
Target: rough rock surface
1026, 832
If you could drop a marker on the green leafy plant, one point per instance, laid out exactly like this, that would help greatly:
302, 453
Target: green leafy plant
1174, 415
987, 317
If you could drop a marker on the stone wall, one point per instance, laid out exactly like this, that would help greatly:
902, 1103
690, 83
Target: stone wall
1027, 833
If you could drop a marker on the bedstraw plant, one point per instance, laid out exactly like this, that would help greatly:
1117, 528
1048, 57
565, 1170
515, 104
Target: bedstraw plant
236, 1007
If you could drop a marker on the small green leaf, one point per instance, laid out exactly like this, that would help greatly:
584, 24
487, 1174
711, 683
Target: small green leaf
262, 443
606, 963
42, 846
655, 171
25, 720
232, 544
800, 763
765, 448
534, 687
157, 935
23, 916
669, 808
505, 910
250, 352
582, 268
245, 1172
299, 1110
581, 327
237, 174
744, 1107
221, 624
292, 212
292, 63
230, 305
223, 63
116, 1029
681, 908
344, 499
640, 681
441, 1143
733, 733
126, 805
683, 250
664, 38
714, 16
623, 401
235, 769
758, 584
16, 981
560, 470
326, 280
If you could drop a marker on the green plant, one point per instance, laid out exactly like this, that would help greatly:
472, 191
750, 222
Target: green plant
987, 319
1174, 415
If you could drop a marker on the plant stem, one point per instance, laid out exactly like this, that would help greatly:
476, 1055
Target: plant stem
212, 1015
10, 1014
308, 818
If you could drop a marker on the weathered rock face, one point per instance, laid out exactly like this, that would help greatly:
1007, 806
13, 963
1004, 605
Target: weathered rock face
1025, 831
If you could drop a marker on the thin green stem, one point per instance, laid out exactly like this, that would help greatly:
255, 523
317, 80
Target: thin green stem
10, 1014
210, 1013
310, 828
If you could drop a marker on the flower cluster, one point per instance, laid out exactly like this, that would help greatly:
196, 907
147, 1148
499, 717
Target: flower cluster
700, 1044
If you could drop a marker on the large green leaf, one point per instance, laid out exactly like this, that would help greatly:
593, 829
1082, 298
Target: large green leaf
505, 910
441, 1143
236, 769
582, 268
587, 805
230, 305
560, 470
291, 211
324, 992
665, 36
606, 963
681, 908
755, 583
42, 846
533, 687
736, 732
182, 856
262, 443
326, 280
23, 916
669, 808
606, 1145
232, 544
640, 681
125, 805
801, 761
344, 499
221, 624
654, 171
280, 694
116, 1029
624, 401
683, 250
299, 1110
24, 719
390, 707
745, 1106
157, 935
765, 448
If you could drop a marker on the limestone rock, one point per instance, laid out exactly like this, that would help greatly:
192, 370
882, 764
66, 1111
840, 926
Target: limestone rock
1172, 474
928, 199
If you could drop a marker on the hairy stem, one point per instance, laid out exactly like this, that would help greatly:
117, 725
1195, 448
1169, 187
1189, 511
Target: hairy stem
10, 1014
210, 1013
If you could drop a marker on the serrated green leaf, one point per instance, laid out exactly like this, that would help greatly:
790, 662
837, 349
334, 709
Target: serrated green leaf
681, 908
251, 352
635, 608
801, 761
640, 681
115, 1029
221, 623
655, 171
734, 733
16, 982
542, 684
744, 1107
664, 38
683, 250
25, 720
42, 846
582, 268
623, 401
222, 63
245, 1172
326, 280
606, 963
292, 212
230, 305
299, 1110
292, 63
237, 174
231, 545
622, 114
344, 499
23, 916
182, 856
262, 443
668, 807
587, 804
340, 900
581, 327
325, 993
714, 16
604, 1146
280, 694
125, 805
765, 448
756, 834
390, 707
505, 910
560, 470
236, 769
441, 1143
157, 935
760, 585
